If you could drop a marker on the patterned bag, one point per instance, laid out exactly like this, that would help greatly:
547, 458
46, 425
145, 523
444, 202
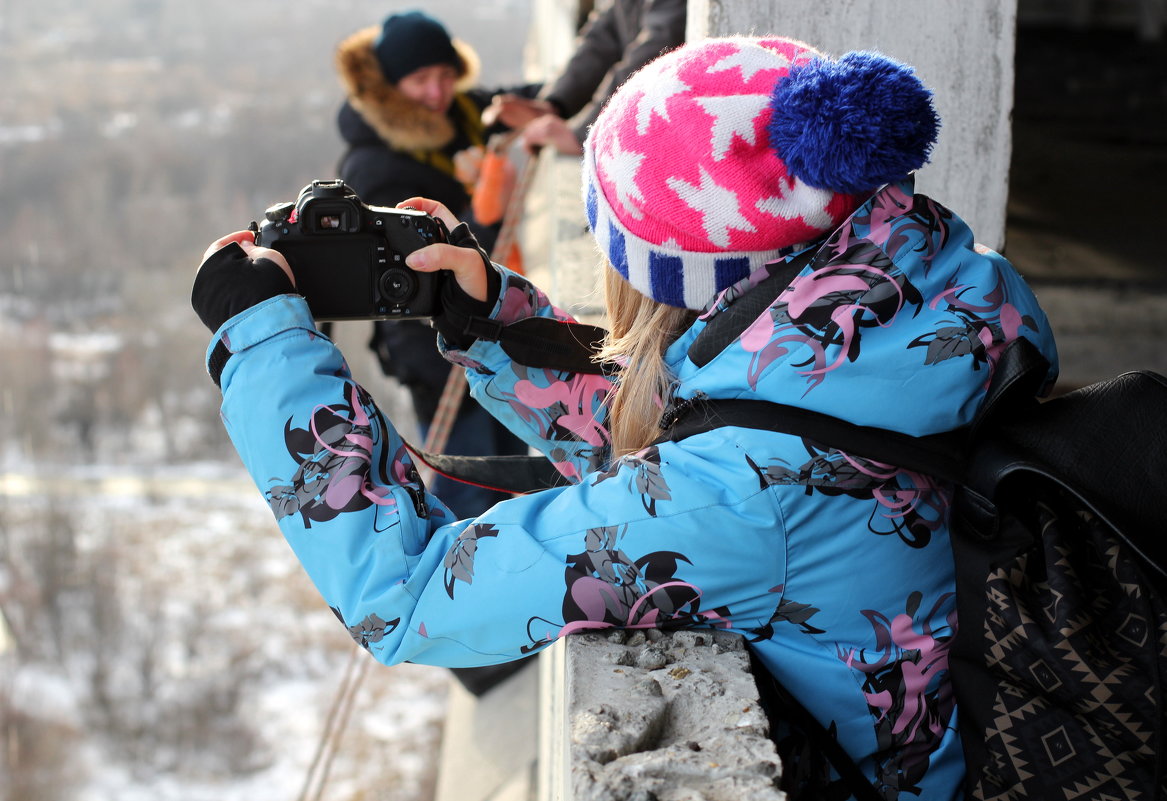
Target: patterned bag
1061, 659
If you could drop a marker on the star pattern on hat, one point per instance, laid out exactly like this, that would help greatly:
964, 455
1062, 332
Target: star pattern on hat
661, 86
802, 201
733, 115
620, 167
751, 61
719, 207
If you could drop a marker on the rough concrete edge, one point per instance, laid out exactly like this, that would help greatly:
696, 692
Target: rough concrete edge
651, 716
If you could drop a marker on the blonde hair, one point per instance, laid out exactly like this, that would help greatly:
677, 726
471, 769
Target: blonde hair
640, 329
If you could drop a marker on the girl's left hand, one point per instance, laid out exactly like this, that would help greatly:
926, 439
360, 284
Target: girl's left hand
466, 264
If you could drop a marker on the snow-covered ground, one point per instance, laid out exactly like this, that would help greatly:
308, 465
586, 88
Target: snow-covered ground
164, 644
158, 639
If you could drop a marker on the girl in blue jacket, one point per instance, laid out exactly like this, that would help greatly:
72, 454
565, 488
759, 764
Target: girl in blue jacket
719, 166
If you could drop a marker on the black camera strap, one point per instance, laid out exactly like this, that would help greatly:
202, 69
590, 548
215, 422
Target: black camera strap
544, 342
538, 342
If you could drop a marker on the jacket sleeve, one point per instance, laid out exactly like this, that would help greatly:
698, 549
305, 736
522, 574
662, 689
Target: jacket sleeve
608, 55
563, 415
410, 583
599, 48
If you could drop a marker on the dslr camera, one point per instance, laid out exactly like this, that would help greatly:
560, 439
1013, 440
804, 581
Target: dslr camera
349, 257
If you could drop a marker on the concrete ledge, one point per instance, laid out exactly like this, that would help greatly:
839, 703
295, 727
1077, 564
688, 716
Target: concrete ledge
1104, 329
649, 716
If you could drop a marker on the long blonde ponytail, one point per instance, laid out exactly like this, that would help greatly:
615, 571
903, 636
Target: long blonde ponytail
640, 329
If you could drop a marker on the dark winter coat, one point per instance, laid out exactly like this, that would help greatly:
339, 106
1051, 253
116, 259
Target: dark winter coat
397, 149
618, 39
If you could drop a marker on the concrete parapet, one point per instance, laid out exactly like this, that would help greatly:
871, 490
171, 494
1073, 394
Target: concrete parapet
652, 716
1105, 329
559, 253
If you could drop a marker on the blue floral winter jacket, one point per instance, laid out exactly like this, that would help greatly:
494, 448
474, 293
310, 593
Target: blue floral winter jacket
836, 569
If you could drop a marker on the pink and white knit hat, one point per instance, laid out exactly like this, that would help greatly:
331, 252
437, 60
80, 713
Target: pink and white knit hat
723, 155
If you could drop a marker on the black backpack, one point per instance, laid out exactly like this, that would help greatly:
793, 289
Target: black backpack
1060, 539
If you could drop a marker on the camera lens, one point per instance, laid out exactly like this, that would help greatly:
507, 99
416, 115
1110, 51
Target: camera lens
398, 285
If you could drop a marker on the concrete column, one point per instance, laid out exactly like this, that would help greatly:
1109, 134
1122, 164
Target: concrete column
962, 49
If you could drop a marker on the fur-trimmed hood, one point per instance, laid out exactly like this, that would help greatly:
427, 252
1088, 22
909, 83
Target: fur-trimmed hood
403, 123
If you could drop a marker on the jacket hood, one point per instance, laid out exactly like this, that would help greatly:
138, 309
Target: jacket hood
896, 322
402, 123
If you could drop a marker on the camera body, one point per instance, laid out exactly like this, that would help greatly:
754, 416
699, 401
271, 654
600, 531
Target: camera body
349, 258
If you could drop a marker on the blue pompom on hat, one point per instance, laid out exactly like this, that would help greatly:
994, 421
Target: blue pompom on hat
854, 124
412, 40
725, 154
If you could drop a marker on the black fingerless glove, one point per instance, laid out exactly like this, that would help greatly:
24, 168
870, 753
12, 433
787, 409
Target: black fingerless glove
458, 308
228, 282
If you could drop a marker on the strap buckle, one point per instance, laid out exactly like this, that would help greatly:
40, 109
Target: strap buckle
483, 328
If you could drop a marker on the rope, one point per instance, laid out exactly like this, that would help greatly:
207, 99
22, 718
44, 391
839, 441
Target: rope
509, 231
449, 403
334, 726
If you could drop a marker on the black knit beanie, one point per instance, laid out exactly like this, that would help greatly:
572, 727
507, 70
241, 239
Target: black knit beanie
413, 40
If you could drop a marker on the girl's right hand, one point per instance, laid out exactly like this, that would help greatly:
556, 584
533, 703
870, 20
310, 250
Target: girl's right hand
246, 240
235, 275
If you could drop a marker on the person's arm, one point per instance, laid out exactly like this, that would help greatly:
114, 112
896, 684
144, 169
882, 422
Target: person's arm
600, 47
625, 548
410, 583
561, 414
662, 28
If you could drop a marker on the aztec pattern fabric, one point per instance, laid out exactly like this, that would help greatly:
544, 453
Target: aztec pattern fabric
1075, 638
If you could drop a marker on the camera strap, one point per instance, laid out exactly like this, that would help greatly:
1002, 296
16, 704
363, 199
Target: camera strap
544, 342
538, 342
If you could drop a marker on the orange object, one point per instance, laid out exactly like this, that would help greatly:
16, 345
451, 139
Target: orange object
496, 181
514, 258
